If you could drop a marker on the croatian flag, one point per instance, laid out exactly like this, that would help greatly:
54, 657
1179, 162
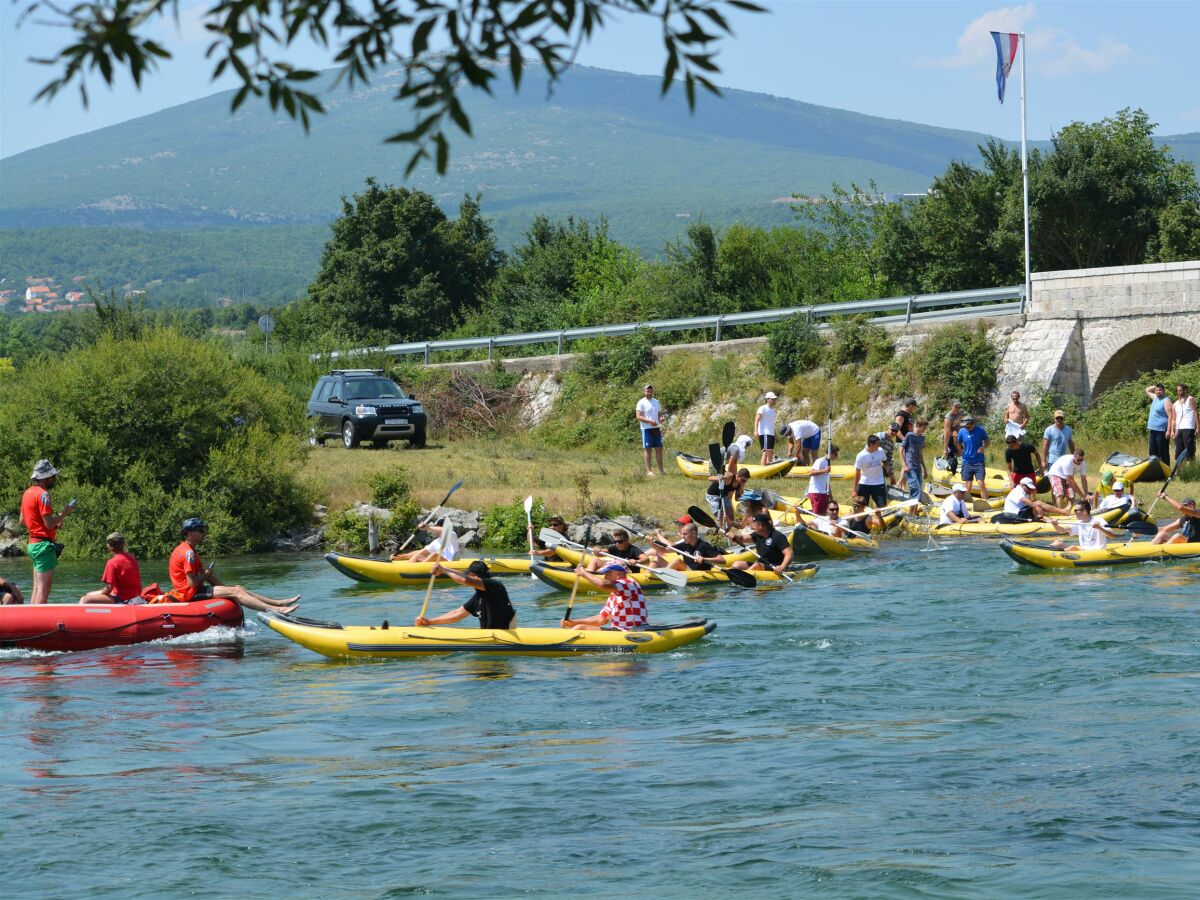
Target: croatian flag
1006, 52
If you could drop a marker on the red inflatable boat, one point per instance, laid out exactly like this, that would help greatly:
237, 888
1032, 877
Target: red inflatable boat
62, 626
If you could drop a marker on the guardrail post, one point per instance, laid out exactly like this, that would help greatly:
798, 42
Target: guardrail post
908, 311
491, 344
560, 343
427, 353
719, 318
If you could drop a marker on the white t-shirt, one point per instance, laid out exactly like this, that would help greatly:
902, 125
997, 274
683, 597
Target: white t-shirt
870, 465
1064, 467
823, 524
766, 422
1090, 537
802, 429
818, 482
1185, 413
953, 505
1112, 501
1015, 501
651, 410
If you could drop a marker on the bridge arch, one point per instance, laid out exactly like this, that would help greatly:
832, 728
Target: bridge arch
1121, 357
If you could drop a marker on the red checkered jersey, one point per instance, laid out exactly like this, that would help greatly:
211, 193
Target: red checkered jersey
626, 606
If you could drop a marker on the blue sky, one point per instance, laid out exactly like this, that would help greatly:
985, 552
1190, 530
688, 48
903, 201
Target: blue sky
929, 62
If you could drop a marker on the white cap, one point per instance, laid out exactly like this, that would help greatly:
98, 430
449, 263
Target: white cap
1118, 485
959, 487
745, 440
770, 395
1027, 482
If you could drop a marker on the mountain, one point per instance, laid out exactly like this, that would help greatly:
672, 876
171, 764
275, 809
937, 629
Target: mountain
603, 143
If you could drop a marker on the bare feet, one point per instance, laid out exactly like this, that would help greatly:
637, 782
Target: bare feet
649, 474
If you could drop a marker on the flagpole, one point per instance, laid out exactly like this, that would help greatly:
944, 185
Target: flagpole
1025, 178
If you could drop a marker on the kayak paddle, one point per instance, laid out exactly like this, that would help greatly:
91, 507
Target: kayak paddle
529, 528
433, 512
673, 577
736, 576
1149, 513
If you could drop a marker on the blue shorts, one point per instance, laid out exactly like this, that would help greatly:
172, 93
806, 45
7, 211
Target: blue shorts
651, 437
812, 443
973, 470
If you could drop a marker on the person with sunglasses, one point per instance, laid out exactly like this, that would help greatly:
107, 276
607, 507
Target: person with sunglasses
1058, 439
621, 547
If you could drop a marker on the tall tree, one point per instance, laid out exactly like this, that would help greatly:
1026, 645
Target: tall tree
440, 46
396, 267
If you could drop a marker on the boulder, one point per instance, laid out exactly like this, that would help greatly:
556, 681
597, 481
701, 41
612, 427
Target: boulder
463, 520
366, 509
320, 511
12, 547
11, 524
468, 538
313, 540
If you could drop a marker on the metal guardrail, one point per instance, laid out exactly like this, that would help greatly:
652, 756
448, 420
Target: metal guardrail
915, 308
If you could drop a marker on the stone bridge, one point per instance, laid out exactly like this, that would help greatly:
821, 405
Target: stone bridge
1086, 330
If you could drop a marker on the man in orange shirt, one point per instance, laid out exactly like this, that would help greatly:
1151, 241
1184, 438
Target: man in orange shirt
190, 580
122, 579
37, 512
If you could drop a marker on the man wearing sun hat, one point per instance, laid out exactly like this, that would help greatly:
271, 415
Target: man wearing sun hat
37, 513
625, 609
764, 427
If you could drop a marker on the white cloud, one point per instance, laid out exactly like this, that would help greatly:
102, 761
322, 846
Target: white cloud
1053, 51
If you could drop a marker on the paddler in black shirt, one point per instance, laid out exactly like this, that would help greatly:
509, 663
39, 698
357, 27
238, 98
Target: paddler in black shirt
773, 547
489, 602
688, 546
620, 548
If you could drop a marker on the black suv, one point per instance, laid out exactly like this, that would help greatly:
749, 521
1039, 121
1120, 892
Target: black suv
363, 405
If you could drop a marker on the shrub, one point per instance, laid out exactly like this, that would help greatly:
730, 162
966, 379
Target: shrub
958, 361
151, 430
858, 339
623, 360
505, 527
1041, 414
793, 346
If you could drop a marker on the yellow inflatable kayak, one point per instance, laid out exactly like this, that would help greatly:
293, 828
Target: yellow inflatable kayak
384, 571
838, 472
1113, 555
994, 529
565, 578
891, 518
997, 480
695, 467
362, 641
1131, 469
812, 542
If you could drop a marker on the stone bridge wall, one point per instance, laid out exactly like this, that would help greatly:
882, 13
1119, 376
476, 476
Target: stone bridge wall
1088, 329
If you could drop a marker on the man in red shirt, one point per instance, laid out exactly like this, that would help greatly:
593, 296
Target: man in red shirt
625, 609
122, 578
190, 580
37, 512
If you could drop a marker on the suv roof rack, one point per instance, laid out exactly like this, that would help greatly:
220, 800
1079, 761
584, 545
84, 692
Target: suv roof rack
356, 372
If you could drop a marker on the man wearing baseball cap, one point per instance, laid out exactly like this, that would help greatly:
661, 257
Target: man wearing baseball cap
37, 513
772, 546
764, 427
1022, 505
1118, 497
625, 609
954, 507
1058, 439
489, 603
191, 580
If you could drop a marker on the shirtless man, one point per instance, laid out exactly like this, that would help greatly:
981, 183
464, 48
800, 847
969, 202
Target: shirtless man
1016, 416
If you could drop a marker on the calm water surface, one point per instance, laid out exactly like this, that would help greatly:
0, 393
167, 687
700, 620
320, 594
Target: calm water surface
913, 724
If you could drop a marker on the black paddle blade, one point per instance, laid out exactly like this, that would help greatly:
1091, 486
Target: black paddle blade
716, 456
1146, 528
728, 433
741, 578
700, 517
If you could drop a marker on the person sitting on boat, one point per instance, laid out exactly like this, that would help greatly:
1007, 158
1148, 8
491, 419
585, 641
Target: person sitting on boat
689, 546
190, 580
752, 504
1092, 533
1022, 504
861, 518
556, 523
773, 548
489, 603
954, 507
1185, 529
426, 553
621, 547
723, 491
10, 594
829, 523
122, 579
625, 609
1117, 498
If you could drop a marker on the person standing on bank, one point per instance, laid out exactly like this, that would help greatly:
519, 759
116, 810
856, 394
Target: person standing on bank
1019, 457
648, 413
972, 441
950, 425
904, 417
1058, 439
804, 440
37, 512
818, 481
764, 427
1184, 426
868, 473
1160, 422
1016, 416
489, 603
912, 459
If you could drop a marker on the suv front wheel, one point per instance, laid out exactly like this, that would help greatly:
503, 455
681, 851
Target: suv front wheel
349, 435
418, 439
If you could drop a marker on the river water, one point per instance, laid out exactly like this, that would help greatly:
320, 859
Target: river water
910, 724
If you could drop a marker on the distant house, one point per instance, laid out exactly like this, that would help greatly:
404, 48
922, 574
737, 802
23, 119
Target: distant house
36, 291
129, 295
224, 302
74, 296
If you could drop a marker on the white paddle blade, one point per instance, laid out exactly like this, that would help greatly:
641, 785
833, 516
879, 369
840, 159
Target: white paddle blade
673, 577
551, 538
528, 504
